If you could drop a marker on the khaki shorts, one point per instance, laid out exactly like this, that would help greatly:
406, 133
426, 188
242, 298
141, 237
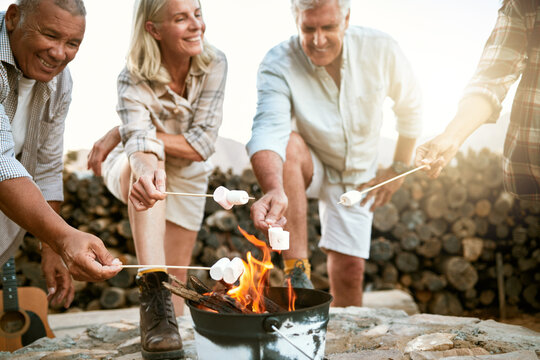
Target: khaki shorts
346, 230
184, 211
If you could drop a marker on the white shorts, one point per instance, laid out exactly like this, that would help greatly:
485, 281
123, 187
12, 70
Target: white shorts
345, 229
184, 211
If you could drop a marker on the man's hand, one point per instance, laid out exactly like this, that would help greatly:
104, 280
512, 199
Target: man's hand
436, 153
59, 284
101, 150
383, 194
148, 189
86, 257
269, 210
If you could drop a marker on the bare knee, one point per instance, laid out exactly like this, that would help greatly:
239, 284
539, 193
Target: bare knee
348, 270
298, 158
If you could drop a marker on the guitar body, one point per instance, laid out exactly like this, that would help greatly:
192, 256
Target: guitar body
21, 327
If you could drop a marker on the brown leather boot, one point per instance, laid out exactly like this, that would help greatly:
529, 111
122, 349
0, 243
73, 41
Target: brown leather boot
160, 338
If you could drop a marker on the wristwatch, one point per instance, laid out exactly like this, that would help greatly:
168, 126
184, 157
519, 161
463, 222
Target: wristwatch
399, 167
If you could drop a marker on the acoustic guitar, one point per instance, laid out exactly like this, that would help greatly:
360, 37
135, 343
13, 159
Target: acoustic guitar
23, 318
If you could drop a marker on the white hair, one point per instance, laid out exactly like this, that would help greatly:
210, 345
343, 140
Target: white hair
298, 6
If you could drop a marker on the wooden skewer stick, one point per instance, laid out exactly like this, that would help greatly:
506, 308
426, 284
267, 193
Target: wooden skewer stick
390, 180
196, 195
168, 267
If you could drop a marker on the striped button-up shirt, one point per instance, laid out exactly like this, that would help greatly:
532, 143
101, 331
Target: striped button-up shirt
146, 107
341, 124
513, 50
42, 152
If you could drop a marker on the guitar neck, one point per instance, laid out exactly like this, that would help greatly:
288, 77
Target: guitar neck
11, 301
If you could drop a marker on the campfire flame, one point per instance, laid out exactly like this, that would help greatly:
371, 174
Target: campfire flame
254, 279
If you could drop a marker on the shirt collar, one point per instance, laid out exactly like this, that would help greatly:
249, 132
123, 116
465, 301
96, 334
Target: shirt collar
5, 48
160, 89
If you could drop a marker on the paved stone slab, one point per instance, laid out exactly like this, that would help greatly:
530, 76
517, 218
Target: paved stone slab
514, 355
353, 333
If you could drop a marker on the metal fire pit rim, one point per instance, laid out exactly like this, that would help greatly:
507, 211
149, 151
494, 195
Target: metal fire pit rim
264, 315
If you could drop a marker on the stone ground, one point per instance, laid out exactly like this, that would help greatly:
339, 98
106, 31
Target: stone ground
353, 333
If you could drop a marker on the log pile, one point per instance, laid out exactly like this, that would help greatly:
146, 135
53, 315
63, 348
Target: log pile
437, 239
443, 246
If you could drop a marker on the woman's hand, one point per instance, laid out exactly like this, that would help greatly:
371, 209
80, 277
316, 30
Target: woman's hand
102, 148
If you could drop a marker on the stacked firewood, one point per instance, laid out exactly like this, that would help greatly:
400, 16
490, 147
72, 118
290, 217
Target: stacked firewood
437, 239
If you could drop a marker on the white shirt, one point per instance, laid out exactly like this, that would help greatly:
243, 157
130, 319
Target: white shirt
340, 125
22, 114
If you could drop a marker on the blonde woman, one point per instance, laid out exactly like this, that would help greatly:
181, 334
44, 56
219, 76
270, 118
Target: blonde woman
170, 98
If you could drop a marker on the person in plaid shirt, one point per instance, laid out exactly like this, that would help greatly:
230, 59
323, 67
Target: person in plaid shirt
37, 41
513, 49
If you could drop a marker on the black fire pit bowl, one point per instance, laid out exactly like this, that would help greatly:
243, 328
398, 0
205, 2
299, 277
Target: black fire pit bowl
251, 337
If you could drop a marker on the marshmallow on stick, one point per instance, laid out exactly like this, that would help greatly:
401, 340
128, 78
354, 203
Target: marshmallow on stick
227, 270
278, 238
216, 271
233, 270
228, 198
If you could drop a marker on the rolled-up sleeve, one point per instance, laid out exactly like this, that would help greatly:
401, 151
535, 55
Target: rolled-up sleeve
203, 132
10, 168
405, 91
137, 132
272, 122
503, 59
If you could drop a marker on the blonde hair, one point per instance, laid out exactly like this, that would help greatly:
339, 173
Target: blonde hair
144, 56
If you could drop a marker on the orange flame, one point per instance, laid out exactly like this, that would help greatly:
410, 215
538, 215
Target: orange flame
292, 295
254, 279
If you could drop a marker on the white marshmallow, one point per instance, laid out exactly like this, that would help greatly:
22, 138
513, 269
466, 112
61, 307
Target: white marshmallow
216, 271
220, 196
278, 238
233, 270
350, 198
237, 197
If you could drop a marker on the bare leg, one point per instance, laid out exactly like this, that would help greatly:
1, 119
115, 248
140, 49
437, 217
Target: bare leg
179, 243
148, 226
346, 275
297, 174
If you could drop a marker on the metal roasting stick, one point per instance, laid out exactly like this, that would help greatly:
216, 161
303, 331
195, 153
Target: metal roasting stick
290, 342
196, 195
168, 267
390, 180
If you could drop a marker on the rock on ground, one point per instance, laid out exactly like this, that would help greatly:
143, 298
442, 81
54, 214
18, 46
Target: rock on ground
353, 333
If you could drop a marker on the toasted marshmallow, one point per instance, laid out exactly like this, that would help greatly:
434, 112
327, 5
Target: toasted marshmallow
216, 271
233, 270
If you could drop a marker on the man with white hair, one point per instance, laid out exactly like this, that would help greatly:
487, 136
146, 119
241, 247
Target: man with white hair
38, 38
315, 134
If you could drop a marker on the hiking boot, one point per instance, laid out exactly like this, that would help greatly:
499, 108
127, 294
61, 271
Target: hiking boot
298, 277
160, 338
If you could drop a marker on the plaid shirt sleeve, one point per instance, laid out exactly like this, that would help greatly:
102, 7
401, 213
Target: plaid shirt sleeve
503, 59
49, 166
203, 132
137, 132
10, 168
